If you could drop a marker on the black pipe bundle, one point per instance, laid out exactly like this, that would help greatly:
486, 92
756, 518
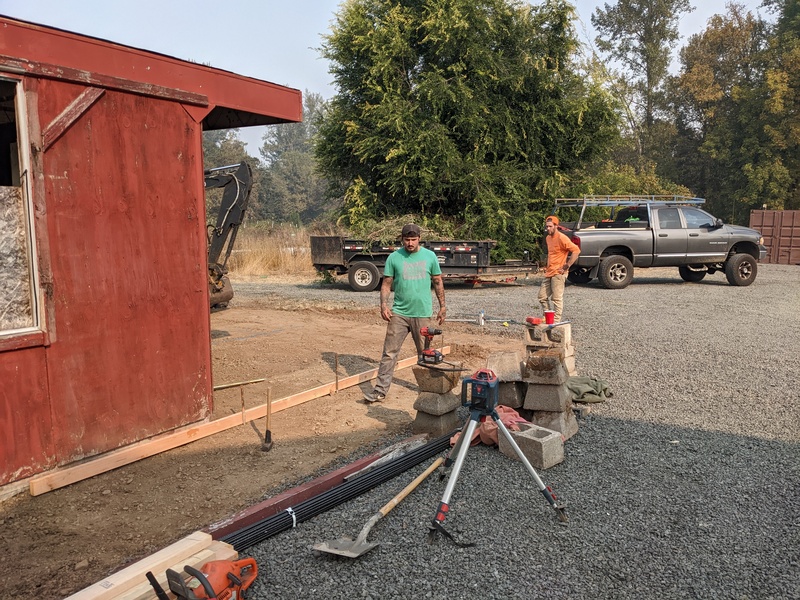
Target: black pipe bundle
286, 519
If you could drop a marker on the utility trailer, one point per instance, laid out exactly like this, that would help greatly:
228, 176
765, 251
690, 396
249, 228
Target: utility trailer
462, 260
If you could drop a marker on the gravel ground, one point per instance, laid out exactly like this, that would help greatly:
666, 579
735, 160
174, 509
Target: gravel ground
686, 484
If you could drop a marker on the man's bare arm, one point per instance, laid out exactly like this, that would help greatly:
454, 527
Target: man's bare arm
438, 289
386, 292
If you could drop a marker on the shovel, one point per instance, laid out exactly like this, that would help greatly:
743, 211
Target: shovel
345, 546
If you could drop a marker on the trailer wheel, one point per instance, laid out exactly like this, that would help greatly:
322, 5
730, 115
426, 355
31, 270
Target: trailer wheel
616, 272
741, 269
363, 277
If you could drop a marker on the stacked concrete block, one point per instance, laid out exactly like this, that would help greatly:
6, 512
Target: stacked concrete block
436, 404
507, 366
542, 447
543, 337
546, 371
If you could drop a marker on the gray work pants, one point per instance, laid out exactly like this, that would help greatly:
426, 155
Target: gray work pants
396, 332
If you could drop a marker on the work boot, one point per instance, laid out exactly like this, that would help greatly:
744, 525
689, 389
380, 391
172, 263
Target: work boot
372, 397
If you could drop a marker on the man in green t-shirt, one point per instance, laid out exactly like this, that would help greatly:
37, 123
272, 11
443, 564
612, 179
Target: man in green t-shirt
411, 269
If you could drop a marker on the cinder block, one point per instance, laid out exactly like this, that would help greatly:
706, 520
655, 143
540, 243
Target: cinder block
437, 404
545, 366
569, 364
552, 398
435, 380
536, 346
506, 365
511, 393
435, 425
563, 422
560, 336
542, 447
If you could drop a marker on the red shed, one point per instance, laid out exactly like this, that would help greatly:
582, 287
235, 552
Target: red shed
104, 318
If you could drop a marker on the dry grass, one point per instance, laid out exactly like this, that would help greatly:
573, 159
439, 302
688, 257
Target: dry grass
281, 250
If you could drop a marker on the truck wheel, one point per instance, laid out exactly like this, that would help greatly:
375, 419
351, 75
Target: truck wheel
580, 276
690, 275
363, 277
741, 269
615, 273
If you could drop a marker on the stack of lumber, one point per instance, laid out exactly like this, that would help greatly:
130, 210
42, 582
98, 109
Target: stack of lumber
131, 582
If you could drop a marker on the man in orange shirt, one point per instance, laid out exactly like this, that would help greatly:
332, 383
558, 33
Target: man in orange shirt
561, 254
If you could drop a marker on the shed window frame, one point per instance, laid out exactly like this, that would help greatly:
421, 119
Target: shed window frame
32, 334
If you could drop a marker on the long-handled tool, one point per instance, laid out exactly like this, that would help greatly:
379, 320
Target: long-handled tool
345, 546
266, 445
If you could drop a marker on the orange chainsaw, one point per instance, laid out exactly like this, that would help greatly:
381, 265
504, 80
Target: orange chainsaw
220, 579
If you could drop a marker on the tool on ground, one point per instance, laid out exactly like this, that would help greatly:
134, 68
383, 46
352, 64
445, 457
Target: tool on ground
160, 593
482, 389
354, 548
266, 446
220, 579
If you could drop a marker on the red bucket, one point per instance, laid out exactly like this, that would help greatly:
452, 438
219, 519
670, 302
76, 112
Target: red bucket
549, 317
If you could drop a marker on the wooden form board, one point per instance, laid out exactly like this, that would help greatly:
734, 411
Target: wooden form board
58, 478
122, 581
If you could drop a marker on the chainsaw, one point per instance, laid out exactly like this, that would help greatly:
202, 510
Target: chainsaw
220, 579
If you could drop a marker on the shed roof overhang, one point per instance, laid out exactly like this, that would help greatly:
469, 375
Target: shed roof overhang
217, 98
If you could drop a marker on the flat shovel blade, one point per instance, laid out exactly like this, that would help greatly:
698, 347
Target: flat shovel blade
345, 546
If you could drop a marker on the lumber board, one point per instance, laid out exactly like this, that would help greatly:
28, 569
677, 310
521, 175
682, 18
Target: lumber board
144, 591
57, 478
121, 581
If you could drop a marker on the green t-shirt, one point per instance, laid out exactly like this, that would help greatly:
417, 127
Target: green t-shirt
412, 281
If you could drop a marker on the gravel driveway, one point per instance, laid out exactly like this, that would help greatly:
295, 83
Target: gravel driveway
686, 484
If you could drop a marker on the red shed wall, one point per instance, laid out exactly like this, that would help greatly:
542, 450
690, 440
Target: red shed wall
125, 219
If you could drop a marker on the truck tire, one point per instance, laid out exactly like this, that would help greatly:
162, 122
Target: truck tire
363, 277
580, 276
690, 275
741, 269
615, 273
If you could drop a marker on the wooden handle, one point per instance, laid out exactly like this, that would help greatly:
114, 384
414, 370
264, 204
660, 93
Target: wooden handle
410, 487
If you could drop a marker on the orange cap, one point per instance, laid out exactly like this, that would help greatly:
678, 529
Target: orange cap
553, 218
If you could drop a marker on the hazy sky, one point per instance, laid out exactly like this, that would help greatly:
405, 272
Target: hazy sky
273, 40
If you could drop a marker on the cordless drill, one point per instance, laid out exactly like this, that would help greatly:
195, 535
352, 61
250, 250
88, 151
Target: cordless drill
430, 356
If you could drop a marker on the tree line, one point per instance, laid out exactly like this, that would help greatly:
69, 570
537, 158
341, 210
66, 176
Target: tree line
472, 116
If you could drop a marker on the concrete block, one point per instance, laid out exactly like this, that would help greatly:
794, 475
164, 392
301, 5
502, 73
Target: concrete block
569, 364
435, 380
435, 425
506, 365
536, 346
545, 366
511, 393
563, 422
437, 404
542, 447
552, 398
560, 336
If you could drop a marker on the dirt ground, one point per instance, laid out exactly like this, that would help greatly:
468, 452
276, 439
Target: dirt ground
65, 540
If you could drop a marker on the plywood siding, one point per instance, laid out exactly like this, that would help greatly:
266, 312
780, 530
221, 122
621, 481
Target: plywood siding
126, 225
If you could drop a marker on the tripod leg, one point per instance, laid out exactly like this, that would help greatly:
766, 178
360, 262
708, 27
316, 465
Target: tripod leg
546, 491
463, 446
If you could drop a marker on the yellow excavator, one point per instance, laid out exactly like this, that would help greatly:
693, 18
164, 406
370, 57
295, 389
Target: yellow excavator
236, 181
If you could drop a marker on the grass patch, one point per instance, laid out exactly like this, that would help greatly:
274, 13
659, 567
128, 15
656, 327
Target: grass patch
279, 250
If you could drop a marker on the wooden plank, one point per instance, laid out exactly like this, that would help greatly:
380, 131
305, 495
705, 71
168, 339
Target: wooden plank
58, 478
69, 115
144, 591
121, 581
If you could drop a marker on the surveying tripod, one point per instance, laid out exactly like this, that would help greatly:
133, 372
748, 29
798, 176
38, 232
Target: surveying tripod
483, 400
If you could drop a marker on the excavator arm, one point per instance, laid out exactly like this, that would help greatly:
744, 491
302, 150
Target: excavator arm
236, 181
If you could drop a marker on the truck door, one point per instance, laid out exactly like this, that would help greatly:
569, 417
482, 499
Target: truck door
706, 243
670, 239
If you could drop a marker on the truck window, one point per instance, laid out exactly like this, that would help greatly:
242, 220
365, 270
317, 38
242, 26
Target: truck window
668, 218
695, 218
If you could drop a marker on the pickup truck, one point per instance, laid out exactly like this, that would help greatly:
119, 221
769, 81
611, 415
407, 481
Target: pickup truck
363, 261
617, 233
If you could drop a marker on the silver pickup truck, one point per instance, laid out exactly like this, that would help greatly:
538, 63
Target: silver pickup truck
617, 233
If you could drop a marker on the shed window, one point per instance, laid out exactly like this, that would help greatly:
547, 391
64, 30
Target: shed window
18, 310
